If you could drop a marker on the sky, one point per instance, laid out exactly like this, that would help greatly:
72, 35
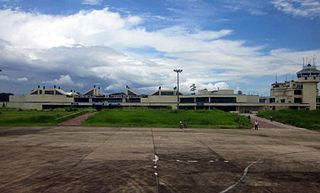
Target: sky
220, 44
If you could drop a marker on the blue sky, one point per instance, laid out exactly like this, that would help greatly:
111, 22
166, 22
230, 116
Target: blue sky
219, 43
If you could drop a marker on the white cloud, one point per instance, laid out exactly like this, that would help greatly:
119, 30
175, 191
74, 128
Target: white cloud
253, 7
91, 2
101, 45
64, 80
4, 77
304, 8
22, 79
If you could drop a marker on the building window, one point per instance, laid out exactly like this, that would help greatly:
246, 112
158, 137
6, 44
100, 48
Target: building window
202, 100
297, 100
81, 100
49, 92
272, 100
133, 100
297, 92
223, 100
167, 93
113, 100
187, 100
282, 100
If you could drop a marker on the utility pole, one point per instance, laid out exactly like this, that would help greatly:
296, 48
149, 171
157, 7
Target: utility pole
178, 93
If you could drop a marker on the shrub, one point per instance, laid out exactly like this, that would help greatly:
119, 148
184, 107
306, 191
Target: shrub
71, 109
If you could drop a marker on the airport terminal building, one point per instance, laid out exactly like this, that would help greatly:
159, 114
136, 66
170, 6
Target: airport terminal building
296, 94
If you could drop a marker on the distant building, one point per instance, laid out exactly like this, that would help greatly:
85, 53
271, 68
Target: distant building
294, 94
93, 92
309, 77
43, 98
302, 91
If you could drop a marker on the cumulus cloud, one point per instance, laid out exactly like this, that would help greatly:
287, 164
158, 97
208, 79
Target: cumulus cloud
216, 86
102, 46
304, 8
64, 80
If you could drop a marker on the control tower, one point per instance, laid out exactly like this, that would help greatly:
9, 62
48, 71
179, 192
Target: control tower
309, 77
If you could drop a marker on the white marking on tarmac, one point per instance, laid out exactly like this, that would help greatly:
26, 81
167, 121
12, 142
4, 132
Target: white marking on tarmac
192, 161
156, 159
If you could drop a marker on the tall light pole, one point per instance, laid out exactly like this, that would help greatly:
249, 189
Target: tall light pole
178, 93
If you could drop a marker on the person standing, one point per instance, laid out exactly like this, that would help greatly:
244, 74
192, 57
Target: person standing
256, 125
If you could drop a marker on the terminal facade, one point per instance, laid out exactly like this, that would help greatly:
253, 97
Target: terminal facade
296, 94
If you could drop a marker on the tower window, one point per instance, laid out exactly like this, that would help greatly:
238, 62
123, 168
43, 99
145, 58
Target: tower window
305, 78
297, 92
297, 100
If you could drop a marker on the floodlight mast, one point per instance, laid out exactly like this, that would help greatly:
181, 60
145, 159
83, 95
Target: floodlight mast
178, 93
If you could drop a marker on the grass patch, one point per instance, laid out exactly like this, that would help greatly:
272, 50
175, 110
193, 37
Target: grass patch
18, 117
140, 117
299, 118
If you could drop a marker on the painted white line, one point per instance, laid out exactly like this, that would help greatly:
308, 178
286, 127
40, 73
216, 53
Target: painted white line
192, 161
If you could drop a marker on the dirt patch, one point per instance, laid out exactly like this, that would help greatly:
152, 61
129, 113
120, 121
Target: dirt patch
76, 121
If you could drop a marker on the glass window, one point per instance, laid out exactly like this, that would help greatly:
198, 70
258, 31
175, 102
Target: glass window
187, 100
223, 100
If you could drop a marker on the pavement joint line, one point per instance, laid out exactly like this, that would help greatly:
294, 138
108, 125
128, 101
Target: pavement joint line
156, 159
